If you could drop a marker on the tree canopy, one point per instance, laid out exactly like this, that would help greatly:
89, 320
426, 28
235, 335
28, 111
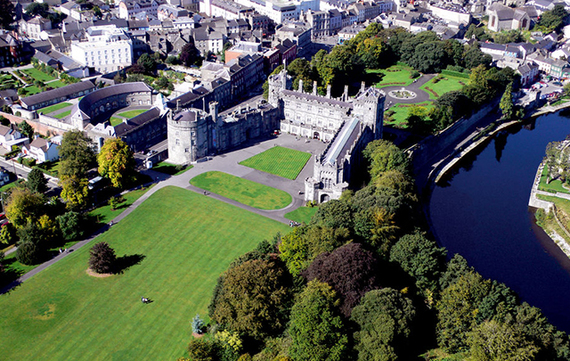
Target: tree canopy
37, 182
77, 154
24, 206
116, 162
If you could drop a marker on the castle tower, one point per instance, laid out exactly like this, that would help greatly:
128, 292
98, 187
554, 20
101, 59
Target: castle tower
369, 107
182, 131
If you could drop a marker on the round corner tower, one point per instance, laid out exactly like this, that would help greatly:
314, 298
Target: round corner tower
182, 132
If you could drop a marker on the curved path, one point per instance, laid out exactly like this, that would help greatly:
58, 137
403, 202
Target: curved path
421, 95
227, 163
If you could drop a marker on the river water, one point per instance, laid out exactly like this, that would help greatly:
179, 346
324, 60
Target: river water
482, 213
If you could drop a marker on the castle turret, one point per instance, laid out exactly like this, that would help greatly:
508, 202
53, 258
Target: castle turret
184, 129
369, 107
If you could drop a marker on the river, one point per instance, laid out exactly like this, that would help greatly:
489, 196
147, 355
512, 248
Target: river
482, 213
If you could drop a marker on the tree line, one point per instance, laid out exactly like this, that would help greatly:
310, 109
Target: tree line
365, 281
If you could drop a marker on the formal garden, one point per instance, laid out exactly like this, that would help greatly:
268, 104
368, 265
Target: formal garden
445, 83
280, 161
241, 190
399, 74
171, 249
398, 114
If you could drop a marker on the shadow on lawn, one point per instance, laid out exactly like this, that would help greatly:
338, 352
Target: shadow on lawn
127, 261
9, 278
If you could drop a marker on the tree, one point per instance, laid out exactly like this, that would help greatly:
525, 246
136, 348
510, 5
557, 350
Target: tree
102, 258
77, 154
24, 206
197, 325
37, 181
553, 20
458, 308
252, 299
334, 214
384, 318
147, 62
8, 234
7, 13
189, 55
26, 128
429, 57
493, 340
116, 162
383, 156
28, 253
506, 104
421, 258
70, 225
473, 56
75, 191
350, 270
41, 9
317, 330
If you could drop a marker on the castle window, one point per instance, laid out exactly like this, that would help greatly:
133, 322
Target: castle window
187, 150
177, 141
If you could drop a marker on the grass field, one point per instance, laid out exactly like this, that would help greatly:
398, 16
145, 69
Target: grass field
170, 169
63, 114
302, 214
445, 85
10, 185
53, 108
242, 190
394, 75
56, 84
554, 185
132, 113
115, 121
38, 75
183, 240
31, 90
105, 214
283, 162
401, 112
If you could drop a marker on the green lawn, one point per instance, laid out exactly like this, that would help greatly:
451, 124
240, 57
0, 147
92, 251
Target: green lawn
171, 169
283, 162
53, 108
56, 84
242, 190
554, 185
401, 112
104, 214
302, 214
394, 76
183, 240
62, 115
10, 185
115, 121
38, 75
445, 85
31, 90
132, 113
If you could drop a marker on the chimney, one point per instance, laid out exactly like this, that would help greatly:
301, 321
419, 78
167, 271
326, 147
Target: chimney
314, 87
345, 94
362, 86
328, 91
214, 110
300, 90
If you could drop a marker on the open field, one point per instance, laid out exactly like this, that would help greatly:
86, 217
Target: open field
242, 190
38, 75
183, 242
53, 108
554, 185
105, 214
171, 169
445, 85
394, 75
282, 162
401, 112
132, 113
302, 214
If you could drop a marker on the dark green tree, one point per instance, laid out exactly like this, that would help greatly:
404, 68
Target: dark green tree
28, 253
473, 57
553, 20
7, 13
189, 55
506, 104
147, 62
41, 9
26, 128
383, 156
384, 318
37, 181
333, 214
429, 57
70, 225
77, 154
102, 258
316, 328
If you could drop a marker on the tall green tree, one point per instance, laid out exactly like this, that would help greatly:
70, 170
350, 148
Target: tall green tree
495, 341
252, 299
506, 104
37, 181
116, 162
102, 258
7, 14
316, 328
26, 128
384, 318
24, 206
383, 156
77, 154
147, 62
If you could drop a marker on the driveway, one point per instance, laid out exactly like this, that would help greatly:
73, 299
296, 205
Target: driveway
421, 95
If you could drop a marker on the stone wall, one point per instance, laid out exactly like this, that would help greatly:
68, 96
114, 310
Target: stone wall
43, 129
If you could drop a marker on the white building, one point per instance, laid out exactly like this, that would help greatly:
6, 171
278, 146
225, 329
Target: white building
281, 10
107, 49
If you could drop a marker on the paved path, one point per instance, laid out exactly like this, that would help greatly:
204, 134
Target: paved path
421, 95
228, 163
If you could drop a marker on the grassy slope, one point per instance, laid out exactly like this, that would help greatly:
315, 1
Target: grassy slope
132, 113
62, 313
394, 75
282, 162
242, 190
53, 108
302, 214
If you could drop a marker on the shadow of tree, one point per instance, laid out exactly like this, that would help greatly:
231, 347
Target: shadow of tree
127, 261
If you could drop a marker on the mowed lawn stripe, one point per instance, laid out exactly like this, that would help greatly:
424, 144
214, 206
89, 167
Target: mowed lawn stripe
187, 241
281, 161
241, 190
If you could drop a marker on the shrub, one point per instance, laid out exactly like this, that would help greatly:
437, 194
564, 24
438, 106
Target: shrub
70, 225
102, 258
414, 74
197, 325
28, 253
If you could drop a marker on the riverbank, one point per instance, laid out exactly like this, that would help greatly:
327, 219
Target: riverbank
547, 109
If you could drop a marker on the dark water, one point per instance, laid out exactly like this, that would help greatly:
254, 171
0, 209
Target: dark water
483, 214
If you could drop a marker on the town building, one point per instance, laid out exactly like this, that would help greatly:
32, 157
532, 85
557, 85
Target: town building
54, 96
106, 49
42, 150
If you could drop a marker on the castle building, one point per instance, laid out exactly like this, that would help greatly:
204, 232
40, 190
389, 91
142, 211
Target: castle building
348, 124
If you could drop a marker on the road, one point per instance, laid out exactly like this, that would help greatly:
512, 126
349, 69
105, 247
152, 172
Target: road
22, 171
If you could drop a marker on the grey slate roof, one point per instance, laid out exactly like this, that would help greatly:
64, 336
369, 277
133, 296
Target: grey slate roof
133, 123
57, 93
